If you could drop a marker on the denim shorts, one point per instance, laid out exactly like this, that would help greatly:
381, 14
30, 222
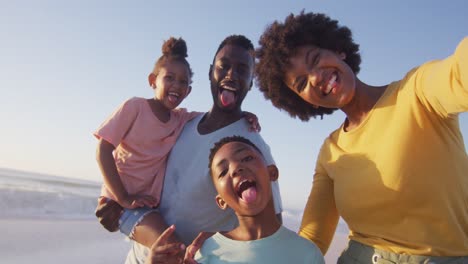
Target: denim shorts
130, 218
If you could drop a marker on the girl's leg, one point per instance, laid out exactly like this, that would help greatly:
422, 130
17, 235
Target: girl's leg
150, 228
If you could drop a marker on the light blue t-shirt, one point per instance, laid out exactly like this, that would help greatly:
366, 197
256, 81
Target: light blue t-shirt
188, 196
284, 246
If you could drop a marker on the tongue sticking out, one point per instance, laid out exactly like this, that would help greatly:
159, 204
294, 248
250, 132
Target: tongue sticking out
227, 97
172, 98
250, 194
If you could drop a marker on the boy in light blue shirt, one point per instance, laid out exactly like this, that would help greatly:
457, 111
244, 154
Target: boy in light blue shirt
242, 179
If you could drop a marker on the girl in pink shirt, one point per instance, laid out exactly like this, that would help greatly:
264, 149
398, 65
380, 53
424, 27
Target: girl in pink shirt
134, 142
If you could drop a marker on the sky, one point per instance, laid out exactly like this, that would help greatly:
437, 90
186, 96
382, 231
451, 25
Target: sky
66, 65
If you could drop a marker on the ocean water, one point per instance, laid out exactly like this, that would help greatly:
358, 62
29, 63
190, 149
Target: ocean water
34, 195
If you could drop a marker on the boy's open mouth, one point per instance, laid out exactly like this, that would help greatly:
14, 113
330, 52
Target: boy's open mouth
247, 191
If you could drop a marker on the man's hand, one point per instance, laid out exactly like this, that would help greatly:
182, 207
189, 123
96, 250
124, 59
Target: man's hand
162, 252
195, 246
108, 213
253, 121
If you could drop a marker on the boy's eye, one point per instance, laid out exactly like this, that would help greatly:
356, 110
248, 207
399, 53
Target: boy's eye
316, 59
247, 158
223, 173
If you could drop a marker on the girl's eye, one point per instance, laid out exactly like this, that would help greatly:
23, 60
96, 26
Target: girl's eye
183, 82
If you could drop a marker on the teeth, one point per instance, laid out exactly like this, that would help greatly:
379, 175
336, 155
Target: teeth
174, 94
331, 84
229, 88
241, 186
240, 183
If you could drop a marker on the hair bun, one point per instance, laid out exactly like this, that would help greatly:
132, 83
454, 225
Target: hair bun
174, 47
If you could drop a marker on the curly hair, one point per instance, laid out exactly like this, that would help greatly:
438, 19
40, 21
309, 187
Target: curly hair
226, 140
173, 50
280, 41
236, 40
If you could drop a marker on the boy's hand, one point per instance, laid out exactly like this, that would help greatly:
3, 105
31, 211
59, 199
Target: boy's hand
195, 246
253, 121
135, 201
108, 213
162, 252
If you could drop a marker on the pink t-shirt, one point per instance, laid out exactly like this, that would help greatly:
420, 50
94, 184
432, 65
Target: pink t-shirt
142, 143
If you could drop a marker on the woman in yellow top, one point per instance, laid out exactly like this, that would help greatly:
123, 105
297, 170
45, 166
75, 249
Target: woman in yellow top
396, 170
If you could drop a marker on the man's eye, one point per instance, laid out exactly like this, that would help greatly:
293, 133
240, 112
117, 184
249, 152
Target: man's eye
223, 66
168, 78
242, 71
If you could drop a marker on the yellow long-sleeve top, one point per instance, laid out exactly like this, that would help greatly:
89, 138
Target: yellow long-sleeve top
400, 179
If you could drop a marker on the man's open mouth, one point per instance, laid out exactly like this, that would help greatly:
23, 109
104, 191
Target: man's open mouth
227, 95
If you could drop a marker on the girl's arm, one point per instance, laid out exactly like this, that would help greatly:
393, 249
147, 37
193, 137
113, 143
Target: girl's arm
109, 171
112, 179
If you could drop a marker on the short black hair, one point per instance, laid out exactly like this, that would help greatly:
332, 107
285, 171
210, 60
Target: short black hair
281, 40
236, 40
226, 140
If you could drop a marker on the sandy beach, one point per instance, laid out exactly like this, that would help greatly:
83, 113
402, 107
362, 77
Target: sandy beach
25, 241
59, 241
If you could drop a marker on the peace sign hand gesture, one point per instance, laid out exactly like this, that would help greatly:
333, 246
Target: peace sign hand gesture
162, 252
